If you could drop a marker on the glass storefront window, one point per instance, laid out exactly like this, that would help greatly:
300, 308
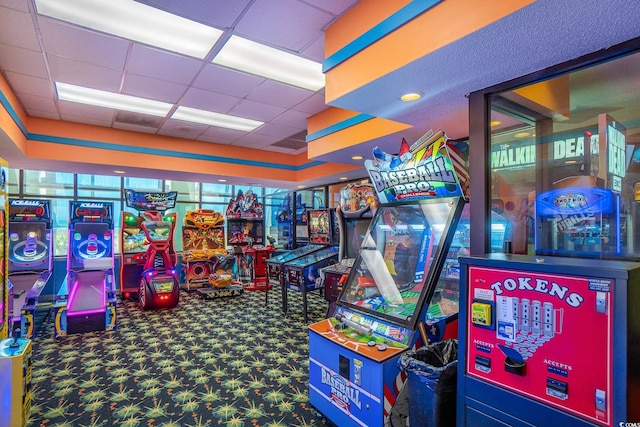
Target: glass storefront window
565, 163
187, 191
43, 184
99, 187
143, 184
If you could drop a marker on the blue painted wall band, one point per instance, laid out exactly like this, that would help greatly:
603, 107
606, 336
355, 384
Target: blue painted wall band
355, 120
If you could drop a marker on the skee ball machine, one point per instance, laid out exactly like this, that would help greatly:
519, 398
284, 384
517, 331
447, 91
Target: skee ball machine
154, 271
4, 244
354, 378
86, 300
548, 341
30, 261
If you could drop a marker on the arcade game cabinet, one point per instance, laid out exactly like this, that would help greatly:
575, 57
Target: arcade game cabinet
15, 388
354, 378
30, 262
207, 267
4, 244
151, 274
86, 300
303, 274
357, 206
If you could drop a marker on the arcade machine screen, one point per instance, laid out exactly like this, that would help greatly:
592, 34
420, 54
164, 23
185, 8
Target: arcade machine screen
387, 277
158, 232
134, 240
28, 245
354, 234
320, 226
248, 228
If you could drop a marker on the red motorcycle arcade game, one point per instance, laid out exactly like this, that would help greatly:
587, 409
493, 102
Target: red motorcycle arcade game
152, 274
30, 262
393, 286
86, 300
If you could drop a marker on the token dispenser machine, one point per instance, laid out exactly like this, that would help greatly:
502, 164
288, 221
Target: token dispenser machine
387, 301
548, 341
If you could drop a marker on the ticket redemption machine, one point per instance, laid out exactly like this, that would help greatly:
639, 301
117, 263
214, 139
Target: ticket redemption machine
154, 271
395, 282
354, 213
548, 341
30, 262
86, 300
207, 267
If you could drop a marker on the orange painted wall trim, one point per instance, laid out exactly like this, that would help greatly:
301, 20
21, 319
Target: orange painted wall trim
354, 135
443, 24
327, 118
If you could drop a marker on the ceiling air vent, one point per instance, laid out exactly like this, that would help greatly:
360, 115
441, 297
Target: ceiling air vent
139, 119
294, 142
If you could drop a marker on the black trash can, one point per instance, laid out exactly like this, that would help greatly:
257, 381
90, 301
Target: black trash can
431, 381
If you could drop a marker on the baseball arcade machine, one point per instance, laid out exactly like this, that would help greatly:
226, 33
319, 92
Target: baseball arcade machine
303, 274
151, 274
207, 267
354, 213
86, 300
30, 262
386, 304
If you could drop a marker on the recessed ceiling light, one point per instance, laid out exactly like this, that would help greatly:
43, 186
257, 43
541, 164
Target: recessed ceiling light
222, 180
255, 58
495, 123
135, 21
118, 171
210, 118
411, 96
358, 157
521, 134
117, 101
343, 178
300, 186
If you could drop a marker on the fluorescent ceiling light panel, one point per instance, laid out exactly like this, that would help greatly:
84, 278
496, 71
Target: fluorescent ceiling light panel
135, 21
101, 98
255, 58
210, 118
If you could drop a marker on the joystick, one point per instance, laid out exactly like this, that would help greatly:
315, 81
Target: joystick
16, 335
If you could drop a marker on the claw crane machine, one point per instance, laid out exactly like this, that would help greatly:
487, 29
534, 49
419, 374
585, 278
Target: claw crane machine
397, 292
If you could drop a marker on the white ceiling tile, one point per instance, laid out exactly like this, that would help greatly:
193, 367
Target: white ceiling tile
312, 105
162, 65
291, 25
255, 110
150, 88
86, 120
17, 29
216, 13
293, 118
278, 131
134, 128
315, 50
23, 61
22, 5
279, 94
335, 7
53, 115
182, 129
29, 85
33, 102
83, 45
226, 81
221, 135
209, 101
84, 74
278, 149
83, 110
255, 140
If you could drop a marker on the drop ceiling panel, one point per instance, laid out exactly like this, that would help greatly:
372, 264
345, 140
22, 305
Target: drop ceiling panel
278, 131
210, 101
134, 128
226, 81
256, 111
335, 7
312, 105
291, 24
89, 111
162, 65
279, 94
23, 61
84, 74
38, 103
29, 85
86, 120
254, 140
292, 118
83, 45
53, 115
150, 88
220, 135
15, 4
216, 13
182, 129
17, 29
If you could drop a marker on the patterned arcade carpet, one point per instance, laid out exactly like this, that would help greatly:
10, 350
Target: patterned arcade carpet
225, 362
